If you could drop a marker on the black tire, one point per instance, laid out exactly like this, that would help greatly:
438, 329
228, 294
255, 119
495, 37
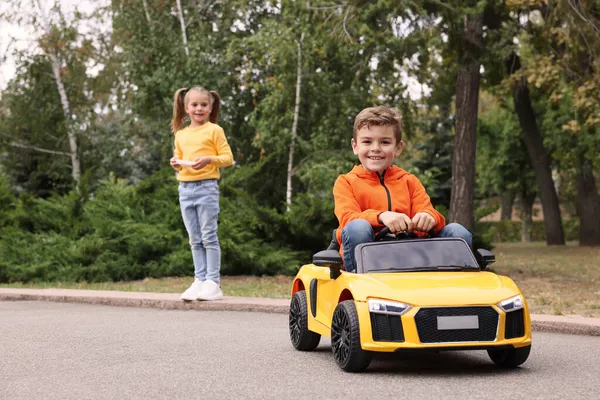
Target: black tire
510, 358
302, 338
345, 339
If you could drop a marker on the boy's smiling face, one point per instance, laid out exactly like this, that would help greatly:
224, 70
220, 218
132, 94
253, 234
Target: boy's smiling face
376, 147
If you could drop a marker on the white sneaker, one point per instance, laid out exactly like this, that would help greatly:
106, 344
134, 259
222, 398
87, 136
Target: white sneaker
193, 291
210, 291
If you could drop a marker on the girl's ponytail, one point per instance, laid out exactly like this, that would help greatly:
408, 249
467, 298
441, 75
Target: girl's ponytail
178, 110
216, 107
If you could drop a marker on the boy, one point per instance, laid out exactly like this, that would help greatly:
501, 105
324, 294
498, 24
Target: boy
377, 194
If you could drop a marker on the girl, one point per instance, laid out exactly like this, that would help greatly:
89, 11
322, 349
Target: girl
200, 149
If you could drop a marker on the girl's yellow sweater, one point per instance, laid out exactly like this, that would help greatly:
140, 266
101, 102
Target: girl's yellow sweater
205, 140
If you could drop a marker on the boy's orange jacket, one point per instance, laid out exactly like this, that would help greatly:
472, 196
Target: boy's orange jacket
364, 195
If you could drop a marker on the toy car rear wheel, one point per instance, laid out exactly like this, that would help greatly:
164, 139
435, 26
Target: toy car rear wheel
510, 358
345, 339
302, 338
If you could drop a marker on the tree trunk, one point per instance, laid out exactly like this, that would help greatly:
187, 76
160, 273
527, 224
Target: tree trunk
467, 98
64, 100
540, 163
145, 4
290, 168
588, 201
537, 155
507, 201
526, 200
40, 149
183, 31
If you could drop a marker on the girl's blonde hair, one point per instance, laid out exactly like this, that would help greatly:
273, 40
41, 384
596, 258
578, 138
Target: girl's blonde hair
181, 99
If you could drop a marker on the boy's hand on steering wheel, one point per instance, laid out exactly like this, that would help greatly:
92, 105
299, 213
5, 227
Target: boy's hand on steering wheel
397, 222
423, 222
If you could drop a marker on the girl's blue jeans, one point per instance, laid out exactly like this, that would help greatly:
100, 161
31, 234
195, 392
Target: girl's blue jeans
199, 203
360, 231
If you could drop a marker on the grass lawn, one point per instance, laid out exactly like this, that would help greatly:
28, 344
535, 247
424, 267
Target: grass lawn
252, 286
555, 280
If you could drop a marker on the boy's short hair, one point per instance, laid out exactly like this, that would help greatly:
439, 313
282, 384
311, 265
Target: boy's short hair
379, 116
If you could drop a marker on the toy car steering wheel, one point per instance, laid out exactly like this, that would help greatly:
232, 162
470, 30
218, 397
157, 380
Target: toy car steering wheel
399, 236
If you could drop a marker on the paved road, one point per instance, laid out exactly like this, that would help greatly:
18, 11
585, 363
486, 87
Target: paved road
76, 351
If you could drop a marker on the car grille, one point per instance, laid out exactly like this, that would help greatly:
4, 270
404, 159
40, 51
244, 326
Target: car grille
515, 324
426, 321
386, 328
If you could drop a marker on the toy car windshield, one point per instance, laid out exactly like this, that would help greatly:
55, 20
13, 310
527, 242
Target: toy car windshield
439, 254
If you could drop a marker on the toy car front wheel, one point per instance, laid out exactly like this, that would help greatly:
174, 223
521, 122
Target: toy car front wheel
302, 338
510, 358
345, 339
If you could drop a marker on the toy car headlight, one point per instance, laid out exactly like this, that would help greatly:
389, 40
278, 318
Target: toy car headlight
512, 304
387, 307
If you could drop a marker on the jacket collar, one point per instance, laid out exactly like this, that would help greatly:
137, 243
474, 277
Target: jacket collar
392, 173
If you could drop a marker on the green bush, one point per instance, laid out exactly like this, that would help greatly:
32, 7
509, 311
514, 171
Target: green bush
7, 200
254, 238
123, 232
311, 221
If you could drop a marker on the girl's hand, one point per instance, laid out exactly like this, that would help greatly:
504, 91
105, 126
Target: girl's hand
201, 162
174, 163
423, 222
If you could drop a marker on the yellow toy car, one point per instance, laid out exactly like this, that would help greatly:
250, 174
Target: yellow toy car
420, 294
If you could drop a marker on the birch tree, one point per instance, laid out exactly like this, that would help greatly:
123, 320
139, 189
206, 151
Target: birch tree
64, 100
54, 95
183, 31
290, 168
147, 12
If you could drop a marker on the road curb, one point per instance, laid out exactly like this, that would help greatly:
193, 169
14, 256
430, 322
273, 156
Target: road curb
575, 325
564, 325
150, 303
164, 301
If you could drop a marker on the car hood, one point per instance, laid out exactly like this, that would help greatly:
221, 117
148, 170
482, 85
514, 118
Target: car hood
435, 288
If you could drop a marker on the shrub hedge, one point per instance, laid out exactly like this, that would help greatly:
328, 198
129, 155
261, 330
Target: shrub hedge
125, 232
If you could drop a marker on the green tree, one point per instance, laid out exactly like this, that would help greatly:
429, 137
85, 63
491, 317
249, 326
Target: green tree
503, 164
33, 135
52, 100
560, 53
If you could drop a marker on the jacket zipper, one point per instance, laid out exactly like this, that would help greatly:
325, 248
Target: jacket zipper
387, 191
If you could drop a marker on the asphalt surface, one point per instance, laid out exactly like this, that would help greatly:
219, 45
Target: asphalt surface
572, 324
51, 350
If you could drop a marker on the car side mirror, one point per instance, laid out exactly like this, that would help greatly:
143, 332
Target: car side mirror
331, 259
485, 257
